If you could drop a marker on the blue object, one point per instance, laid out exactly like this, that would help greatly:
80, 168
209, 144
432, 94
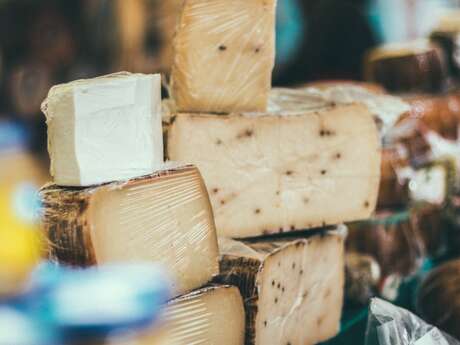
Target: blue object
64, 304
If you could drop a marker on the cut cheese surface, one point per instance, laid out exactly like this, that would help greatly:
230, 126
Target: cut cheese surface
224, 54
293, 289
212, 315
104, 129
165, 217
276, 172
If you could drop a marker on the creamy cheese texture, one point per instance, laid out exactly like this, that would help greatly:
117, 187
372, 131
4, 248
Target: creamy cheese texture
104, 129
224, 53
284, 170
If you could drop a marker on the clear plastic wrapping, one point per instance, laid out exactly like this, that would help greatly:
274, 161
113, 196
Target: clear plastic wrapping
391, 325
278, 169
210, 315
224, 53
104, 129
287, 279
164, 217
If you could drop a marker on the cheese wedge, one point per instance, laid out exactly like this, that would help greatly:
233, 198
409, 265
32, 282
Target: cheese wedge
407, 67
224, 53
164, 217
211, 315
284, 170
292, 288
104, 129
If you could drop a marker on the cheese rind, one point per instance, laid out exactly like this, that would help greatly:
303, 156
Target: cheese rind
292, 288
407, 67
274, 172
104, 129
224, 53
165, 217
211, 315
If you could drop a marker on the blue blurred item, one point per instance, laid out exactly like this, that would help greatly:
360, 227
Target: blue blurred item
64, 305
289, 30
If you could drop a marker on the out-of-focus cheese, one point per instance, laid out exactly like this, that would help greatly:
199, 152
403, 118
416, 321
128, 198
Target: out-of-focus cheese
292, 288
224, 55
212, 315
104, 129
165, 217
284, 170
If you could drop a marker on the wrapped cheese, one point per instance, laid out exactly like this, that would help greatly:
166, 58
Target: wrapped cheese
164, 217
407, 67
104, 129
224, 53
274, 172
211, 315
292, 287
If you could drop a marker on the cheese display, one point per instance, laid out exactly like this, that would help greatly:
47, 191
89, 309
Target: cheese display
164, 217
292, 287
438, 299
211, 315
224, 53
407, 67
104, 129
392, 238
275, 172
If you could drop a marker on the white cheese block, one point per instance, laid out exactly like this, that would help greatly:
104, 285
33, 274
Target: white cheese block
224, 53
292, 288
165, 217
283, 171
104, 129
212, 315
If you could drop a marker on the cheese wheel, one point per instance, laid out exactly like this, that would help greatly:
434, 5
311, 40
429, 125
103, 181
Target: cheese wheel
407, 67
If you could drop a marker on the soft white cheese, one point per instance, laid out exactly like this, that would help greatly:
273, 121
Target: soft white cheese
104, 129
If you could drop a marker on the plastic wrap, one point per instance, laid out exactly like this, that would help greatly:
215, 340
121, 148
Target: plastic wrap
164, 217
278, 169
211, 315
407, 67
391, 325
224, 53
438, 298
104, 129
284, 280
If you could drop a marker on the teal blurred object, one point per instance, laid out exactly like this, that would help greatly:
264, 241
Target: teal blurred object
64, 305
289, 30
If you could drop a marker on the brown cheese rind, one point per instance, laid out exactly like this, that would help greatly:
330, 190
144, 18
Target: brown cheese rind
405, 69
65, 225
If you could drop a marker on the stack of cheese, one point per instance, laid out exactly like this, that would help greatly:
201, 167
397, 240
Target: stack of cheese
282, 167
114, 200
